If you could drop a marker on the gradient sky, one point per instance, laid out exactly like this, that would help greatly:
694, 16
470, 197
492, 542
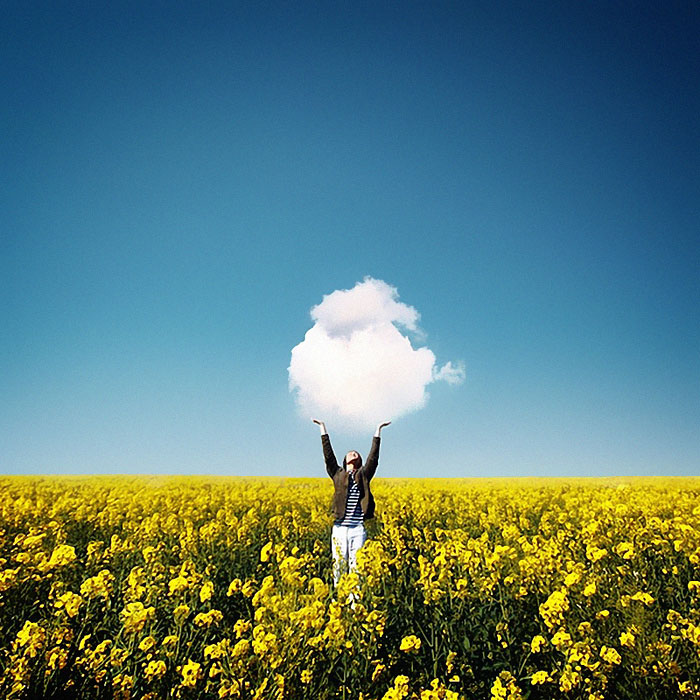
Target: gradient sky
183, 181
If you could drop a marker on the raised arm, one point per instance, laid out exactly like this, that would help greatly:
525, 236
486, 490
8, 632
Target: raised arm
373, 456
332, 465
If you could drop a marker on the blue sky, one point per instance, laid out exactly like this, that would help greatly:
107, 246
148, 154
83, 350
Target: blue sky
182, 182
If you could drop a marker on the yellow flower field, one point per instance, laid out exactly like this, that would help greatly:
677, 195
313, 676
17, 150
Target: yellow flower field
194, 587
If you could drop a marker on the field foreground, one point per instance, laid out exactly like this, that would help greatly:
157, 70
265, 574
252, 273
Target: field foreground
189, 587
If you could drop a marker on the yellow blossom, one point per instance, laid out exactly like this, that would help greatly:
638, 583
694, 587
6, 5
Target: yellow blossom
207, 619
410, 644
191, 673
265, 552
241, 649
627, 639
553, 609
99, 586
178, 585
206, 592
537, 643
610, 655
135, 615
154, 670
56, 658
378, 669
399, 691
234, 587
643, 597
147, 643
540, 677
62, 555
181, 612
70, 602
31, 636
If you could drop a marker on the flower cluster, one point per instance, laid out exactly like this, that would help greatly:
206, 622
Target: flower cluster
146, 588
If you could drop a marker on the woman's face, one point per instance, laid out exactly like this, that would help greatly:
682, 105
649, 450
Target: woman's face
352, 460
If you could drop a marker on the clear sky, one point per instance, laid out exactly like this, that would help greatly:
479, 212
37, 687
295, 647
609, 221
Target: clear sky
183, 181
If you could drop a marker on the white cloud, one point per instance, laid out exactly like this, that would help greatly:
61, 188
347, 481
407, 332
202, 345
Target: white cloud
355, 368
452, 374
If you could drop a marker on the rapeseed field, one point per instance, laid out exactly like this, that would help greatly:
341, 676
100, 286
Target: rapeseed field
150, 588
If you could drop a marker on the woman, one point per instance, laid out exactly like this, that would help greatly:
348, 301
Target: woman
353, 502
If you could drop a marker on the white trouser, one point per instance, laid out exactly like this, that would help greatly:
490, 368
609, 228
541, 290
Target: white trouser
345, 543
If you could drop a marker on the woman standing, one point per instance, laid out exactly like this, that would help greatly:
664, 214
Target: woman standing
353, 502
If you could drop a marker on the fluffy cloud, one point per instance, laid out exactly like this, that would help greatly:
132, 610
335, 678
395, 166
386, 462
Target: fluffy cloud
355, 367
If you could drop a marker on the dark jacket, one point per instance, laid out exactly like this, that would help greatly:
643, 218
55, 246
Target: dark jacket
340, 477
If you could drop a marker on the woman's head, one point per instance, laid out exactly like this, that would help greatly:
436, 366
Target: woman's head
352, 461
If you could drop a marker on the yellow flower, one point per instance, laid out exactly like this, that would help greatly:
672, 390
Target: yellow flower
149, 553
505, 687
540, 677
553, 609
410, 644
643, 597
569, 679
438, 692
627, 639
206, 592
135, 615
70, 602
216, 651
31, 636
191, 673
241, 649
99, 586
57, 658
178, 584
155, 670
147, 643
610, 655
181, 612
561, 639
33, 541
399, 691
241, 628
265, 552
595, 553
213, 617
62, 555
102, 647
306, 676
234, 587
589, 589
537, 643
572, 579
624, 550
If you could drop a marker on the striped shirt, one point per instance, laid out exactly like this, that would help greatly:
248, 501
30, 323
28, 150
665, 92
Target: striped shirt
353, 509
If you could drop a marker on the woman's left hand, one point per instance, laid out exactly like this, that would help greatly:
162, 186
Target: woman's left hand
380, 426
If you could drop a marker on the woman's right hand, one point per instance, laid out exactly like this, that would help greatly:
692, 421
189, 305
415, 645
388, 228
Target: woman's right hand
321, 424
